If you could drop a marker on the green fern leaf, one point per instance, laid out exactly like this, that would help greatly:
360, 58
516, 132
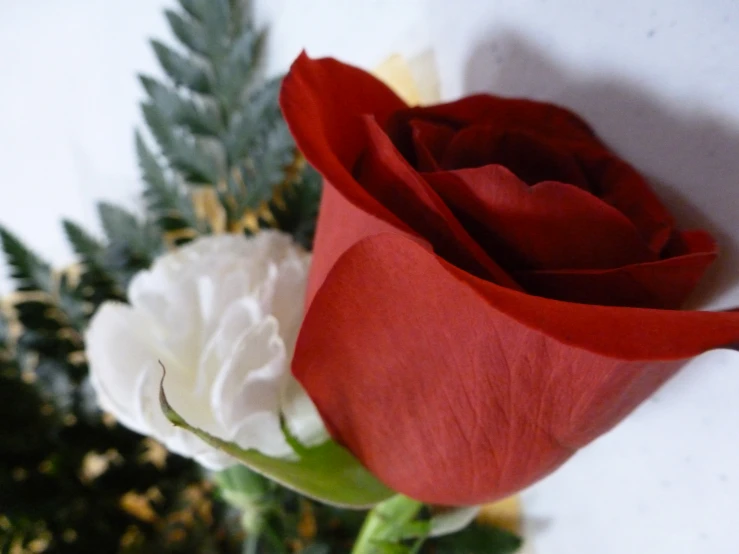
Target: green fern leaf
238, 70
184, 72
218, 22
97, 282
85, 245
29, 271
194, 8
122, 227
297, 211
169, 207
248, 124
184, 153
199, 118
188, 30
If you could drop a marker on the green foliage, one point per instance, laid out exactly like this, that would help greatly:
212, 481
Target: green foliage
183, 71
295, 211
65, 471
475, 539
172, 210
217, 123
216, 126
132, 244
97, 282
28, 270
327, 472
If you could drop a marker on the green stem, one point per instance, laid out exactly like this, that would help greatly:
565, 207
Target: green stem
385, 523
247, 491
251, 544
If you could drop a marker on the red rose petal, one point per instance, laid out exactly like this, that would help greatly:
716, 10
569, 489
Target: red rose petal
390, 180
340, 225
503, 113
430, 140
546, 226
528, 157
323, 101
456, 391
617, 182
621, 186
662, 284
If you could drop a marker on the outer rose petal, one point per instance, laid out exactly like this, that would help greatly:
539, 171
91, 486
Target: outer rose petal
535, 380
340, 225
323, 101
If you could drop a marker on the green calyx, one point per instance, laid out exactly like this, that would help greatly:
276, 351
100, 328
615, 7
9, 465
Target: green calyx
326, 472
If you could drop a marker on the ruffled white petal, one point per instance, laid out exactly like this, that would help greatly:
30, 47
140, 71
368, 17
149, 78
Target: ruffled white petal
222, 314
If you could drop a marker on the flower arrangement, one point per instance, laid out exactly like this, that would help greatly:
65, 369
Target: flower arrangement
343, 323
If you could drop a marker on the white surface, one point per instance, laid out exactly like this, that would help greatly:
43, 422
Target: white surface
68, 106
656, 78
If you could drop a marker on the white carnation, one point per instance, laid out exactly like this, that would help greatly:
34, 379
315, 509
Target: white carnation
222, 314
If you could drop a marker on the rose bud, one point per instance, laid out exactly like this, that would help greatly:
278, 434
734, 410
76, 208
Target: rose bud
491, 289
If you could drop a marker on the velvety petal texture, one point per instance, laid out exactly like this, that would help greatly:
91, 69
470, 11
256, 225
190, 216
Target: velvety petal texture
457, 391
492, 288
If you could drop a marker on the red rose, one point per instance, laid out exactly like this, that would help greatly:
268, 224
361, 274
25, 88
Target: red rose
491, 289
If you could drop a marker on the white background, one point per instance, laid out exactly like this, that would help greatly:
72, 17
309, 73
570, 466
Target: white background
658, 79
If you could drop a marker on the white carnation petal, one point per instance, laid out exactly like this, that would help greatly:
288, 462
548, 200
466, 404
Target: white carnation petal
222, 314
301, 415
117, 359
262, 431
251, 378
289, 298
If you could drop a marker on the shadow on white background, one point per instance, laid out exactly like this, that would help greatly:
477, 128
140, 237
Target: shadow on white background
657, 81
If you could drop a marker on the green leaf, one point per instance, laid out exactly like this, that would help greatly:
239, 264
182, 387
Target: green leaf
184, 154
326, 472
188, 30
159, 126
248, 125
171, 208
28, 270
239, 66
133, 245
383, 547
217, 19
297, 211
317, 549
476, 539
119, 224
85, 245
97, 282
184, 72
194, 8
200, 119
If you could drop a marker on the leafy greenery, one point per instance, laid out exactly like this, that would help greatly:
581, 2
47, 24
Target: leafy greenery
223, 150
72, 480
475, 539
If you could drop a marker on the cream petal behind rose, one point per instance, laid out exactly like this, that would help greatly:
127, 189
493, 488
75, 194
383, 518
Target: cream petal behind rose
222, 315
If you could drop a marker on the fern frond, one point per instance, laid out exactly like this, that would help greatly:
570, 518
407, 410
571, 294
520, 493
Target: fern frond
29, 271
